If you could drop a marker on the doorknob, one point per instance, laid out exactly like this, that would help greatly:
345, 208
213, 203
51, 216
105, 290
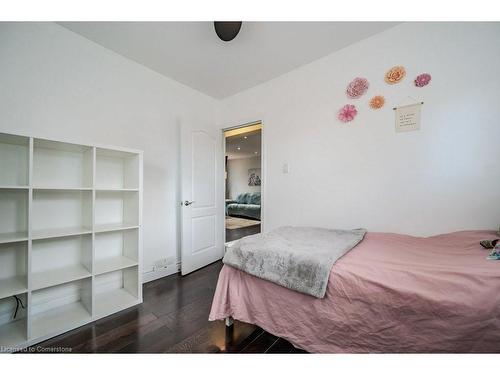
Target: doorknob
188, 203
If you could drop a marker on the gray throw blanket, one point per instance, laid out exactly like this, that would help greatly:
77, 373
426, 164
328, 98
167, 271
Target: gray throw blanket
298, 258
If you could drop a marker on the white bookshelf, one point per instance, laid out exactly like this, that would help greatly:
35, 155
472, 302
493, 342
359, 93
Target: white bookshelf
70, 235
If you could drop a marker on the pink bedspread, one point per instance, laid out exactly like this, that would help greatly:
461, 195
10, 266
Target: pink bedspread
391, 293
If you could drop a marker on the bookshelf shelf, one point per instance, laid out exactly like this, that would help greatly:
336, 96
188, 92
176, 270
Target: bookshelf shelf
13, 237
12, 286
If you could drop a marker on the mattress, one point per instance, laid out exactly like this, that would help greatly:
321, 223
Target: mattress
391, 294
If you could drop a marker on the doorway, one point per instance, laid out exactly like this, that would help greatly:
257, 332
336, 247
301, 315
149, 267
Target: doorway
243, 181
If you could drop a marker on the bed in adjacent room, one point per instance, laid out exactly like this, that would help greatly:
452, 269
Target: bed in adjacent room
390, 293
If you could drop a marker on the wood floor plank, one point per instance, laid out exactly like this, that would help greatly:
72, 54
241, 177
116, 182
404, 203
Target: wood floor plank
152, 342
212, 339
114, 340
261, 343
280, 346
236, 234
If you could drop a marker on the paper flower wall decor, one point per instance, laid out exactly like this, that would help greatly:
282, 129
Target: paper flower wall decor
357, 87
423, 80
395, 75
377, 102
347, 113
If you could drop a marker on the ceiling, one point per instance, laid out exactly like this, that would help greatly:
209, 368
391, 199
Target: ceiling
249, 145
191, 53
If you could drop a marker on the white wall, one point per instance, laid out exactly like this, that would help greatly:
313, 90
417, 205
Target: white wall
54, 83
442, 178
237, 176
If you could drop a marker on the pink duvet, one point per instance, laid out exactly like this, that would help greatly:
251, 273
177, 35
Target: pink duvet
391, 293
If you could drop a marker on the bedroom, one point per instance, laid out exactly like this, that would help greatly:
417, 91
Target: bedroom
113, 187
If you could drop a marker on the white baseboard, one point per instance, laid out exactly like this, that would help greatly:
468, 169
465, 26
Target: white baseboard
159, 273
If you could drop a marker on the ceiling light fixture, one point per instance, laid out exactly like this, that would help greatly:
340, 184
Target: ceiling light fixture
227, 31
238, 148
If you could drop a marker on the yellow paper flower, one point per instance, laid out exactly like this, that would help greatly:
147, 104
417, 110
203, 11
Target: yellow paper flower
395, 75
377, 102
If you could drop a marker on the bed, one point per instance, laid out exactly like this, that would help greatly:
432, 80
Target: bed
390, 294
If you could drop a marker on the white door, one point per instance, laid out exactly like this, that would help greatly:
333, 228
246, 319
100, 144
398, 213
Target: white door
202, 197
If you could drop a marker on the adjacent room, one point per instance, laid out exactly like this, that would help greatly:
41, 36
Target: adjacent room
243, 175
250, 187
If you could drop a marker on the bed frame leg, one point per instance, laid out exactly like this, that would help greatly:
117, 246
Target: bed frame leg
229, 330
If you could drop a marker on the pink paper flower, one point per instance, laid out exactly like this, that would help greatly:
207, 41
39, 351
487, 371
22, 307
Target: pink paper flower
423, 80
357, 87
347, 113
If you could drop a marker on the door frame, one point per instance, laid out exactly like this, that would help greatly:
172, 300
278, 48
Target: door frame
262, 171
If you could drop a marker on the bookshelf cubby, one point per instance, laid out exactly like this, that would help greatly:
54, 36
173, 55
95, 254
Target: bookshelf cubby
13, 268
116, 250
14, 214
14, 160
116, 170
61, 165
116, 291
74, 213
61, 259
116, 210
13, 331
70, 236
61, 307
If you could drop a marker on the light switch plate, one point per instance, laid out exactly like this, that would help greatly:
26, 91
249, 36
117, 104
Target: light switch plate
286, 168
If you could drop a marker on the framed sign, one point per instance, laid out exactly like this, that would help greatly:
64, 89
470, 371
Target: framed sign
407, 117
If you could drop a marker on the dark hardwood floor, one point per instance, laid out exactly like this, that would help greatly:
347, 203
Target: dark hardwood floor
236, 234
172, 319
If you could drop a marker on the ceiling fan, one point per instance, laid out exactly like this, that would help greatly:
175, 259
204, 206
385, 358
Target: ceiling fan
227, 31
